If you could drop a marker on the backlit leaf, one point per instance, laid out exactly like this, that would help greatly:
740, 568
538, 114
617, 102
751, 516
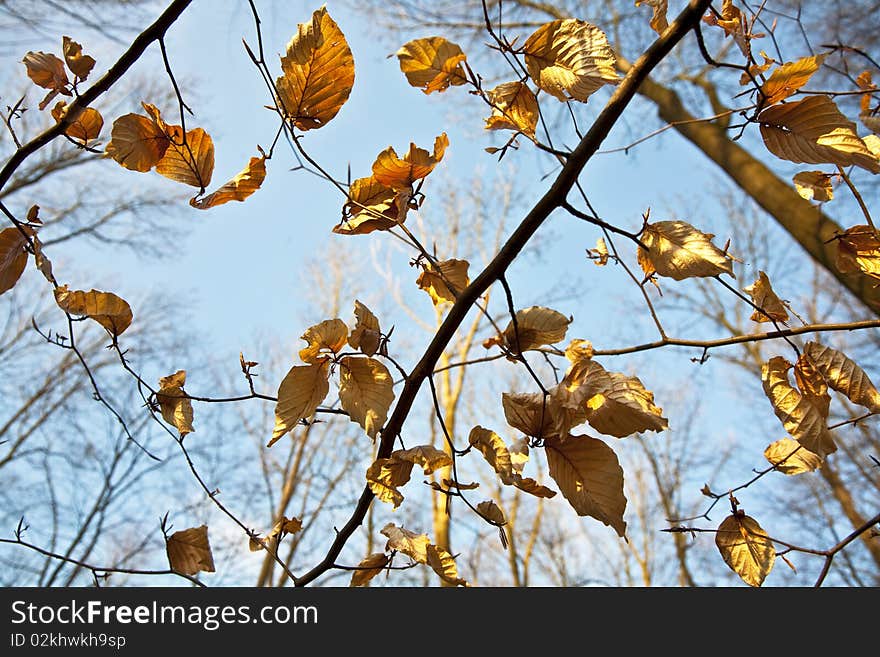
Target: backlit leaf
803, 421
790, 77
400, 173
80, 64
532, 487
174, 403
535, 327
317, 73
413, 545
492, 511
366, 334
189, 551
814, 186
245, 183
13, 257
842, 374
765, 298
371, 206
301, 391
442, 563
365, 392
811, 384
493, 449
425, 456
529, 412
599, 255
745, 547
590, 478
445, 281
813, 131
384, 476
432, 64
189, 161
331, 336
858, 249
658, 20
47, 71
110, 311
570, 59
791, 458
137, 142
624, 407
514, 107
85, 127
369, 568
519, 454
270, 541
678, 250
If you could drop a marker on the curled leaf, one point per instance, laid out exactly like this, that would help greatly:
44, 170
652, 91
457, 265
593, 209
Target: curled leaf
413, 545
493, 449
188, 160
400, 173
492, 512
371, 206
368, 569
765, 298
814, 186
80, 64
445, 281
658, 20
843, 374
678, 250
790, 77
442, 563
301, 391
624, 407
811, 384
858, 249
791, 458
366, 334
425, 456
432, 64
514, 107
745, 547
47, 71
331, 336
384, 476
535, 327
110, 311
174, 403
86, 126
271, 541
245, 183
189, 551
137, 142
13, 257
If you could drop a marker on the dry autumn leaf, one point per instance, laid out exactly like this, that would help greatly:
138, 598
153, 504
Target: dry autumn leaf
188, 160
532, 487
493, 449
514, 107
811, 385
317, 73
189, 551
529, 412
791, 458
368, 569
442, 563
519, 454
790, 77
842, 374
813, 131
599, 255
624, 407
370, 206
858, 249
13, 257
425, 456
366, 335
658, 20
765, 298
590, 478
413, 545
570, 59
492, 512
301, 391
678, 250
245, 183
814, 186
79, 64
365, 392
86, 126
400, 173
803, 421
44, 265
110, 311
384, 476
445, 281
271, 540
331, 336
745, 547
174, 403
733, 24
535, 327
432, 64
47, 71
137, 142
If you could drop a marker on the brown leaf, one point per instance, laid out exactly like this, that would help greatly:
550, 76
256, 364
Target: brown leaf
425, 456
365, 392
400, 173
570, 59
47, 71
814, 186
535, 327
384, 476
590, 478
245, 183
370, 206
790, 457
843, 374
492, 512
624, 407
858, 249
455, 484
331, 336
811, 384
413, 545
813, 131
272, 540
493, 449
189, 551
366, 334
442, 563
514, 107
189, 161
765, 298
745, 547
678, 250
174, 403
79, 64
369, 568
541, 417
790, 77
137, 142
599, 255
445, 281
532, 487
13, 257
300, 393
432, 64
317, 73
658, 20
44, 265
85, 127
110, 311
803, 421
519, 454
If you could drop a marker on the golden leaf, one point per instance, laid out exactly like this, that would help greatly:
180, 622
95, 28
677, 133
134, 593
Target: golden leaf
366, 334
271, 541
790, 77
519, 454
85, 127
514, 107
189, 161
427, 457
330, 335
858, 249
590, 478
189, 551
174, 403
842, 374
745, 547
245, 183
432, 64
658, 20
413, 545
813, 131
599, 255
370, 206
624, 407
733, 24
110, 311
79, 64
814, 186
397, 173
757, 69
811, 384
493, 449
136, 142
13, 257
460, 486
442, 563
301, 391
369, 568
535, 327
445, 281
532, 487
47, 71
791, 458
678, 250
365, 392
385, 475
44, 265
492, 512
317, 73
803, 421
529, 412
765, 298
566, 408
570, 59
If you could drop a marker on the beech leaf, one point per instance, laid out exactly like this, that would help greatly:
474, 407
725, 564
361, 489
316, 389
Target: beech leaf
790, 77
514, 107
189, 551
245, 183
814, 186
790, 457
432, 64
368, 568
80, 64
400, 173
445, 281
299, 395
366, 334
110, 311
13, 257
174, 403
765, 298
331, 336
365, 392
678, 250
843, 374
745, 547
